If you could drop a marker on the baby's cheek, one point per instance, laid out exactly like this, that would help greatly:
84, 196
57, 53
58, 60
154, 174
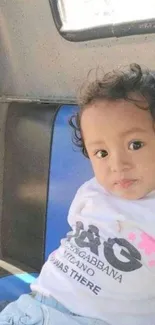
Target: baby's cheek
106, 184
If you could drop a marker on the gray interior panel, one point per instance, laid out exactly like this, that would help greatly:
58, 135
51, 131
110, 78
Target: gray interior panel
3, 115
27, 152
36, 62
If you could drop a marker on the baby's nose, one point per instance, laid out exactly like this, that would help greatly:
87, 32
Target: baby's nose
119, 162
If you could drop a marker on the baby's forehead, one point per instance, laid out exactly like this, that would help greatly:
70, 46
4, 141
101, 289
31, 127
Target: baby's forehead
115, 117
116, 109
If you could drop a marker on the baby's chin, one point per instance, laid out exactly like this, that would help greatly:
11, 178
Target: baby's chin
130, 195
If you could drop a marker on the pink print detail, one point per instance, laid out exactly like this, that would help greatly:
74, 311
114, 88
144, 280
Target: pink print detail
147, 244
152, 263
132, 236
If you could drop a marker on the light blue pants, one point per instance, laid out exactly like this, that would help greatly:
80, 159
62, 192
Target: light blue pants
40, 310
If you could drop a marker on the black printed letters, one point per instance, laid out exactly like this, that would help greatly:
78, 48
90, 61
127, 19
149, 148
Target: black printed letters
91, 238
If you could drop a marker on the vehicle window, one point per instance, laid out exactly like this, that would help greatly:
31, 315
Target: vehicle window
103, 16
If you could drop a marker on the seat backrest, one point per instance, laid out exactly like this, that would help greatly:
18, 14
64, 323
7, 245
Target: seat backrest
68, 169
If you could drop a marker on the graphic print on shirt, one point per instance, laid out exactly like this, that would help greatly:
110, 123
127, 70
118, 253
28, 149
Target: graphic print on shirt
145, 244
85, 250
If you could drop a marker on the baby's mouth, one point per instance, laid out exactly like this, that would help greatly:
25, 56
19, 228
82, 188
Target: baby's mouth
125, 183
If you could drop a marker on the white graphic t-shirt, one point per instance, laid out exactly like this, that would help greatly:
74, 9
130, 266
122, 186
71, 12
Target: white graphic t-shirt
105, 267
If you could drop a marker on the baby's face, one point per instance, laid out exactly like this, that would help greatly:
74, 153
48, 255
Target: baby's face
120, 141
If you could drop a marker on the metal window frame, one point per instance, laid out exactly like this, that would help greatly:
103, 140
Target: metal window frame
109, 31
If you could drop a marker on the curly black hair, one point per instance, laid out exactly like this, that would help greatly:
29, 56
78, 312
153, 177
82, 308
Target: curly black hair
114, 86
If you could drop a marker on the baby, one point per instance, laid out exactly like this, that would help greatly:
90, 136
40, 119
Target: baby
104, 270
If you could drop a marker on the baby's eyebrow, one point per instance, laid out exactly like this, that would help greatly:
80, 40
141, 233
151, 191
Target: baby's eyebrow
133, 130
123, 133
95, 143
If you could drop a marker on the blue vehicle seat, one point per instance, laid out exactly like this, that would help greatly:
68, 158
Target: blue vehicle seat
69, 169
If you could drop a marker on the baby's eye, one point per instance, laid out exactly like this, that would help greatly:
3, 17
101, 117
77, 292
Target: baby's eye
136, 145
101, 154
